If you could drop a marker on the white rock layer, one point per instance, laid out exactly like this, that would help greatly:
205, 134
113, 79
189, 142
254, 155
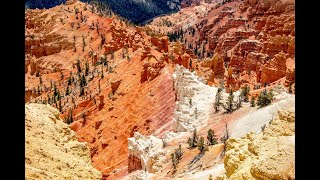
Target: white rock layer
190, 88
147, 148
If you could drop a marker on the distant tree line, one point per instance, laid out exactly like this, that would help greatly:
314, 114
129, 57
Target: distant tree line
41, 4
137, 12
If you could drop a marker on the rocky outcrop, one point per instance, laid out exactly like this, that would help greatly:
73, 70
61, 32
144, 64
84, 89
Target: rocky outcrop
290, 72
274, 69
144, 152
115, 85
277, 44
268, 155
161, 43
247, 34
240, 52
52, 149
101, 102
30, 94
254, 61
151, 69
216, 64
31, 66
134, 163
283, 125
44, 45
194, 100
183, 60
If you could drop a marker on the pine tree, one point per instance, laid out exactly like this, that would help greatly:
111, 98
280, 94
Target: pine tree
210, 177
201, 145
61, 75
195, 137
38, 92
179, 152
239, 102
196, 112
92, 8
83, 81
174, 161
190, 142
58, 96
217, 102
74, 42
193, 140
69, 118
252, 102
67, 90
99, 86
229, 106
69, 81
81, 91
78, 66
290, 89
265, 98
83, 39
60, 107
55, 90
103, 39
212, 140
53, 99
84, 116
40, 80
245, 93
49, 100
86, 68
102, 76
225, 137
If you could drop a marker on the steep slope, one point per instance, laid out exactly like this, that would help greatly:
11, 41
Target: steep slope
115, 79
51, 147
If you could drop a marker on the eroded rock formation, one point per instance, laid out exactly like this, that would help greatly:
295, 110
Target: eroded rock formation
144, 152
194, 100
268, 155
52, 148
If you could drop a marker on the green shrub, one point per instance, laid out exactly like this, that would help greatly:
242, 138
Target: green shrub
229, 106
212, 140
265, 98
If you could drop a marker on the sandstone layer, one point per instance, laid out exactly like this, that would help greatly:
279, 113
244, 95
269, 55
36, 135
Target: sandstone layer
52, 150
267, 155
